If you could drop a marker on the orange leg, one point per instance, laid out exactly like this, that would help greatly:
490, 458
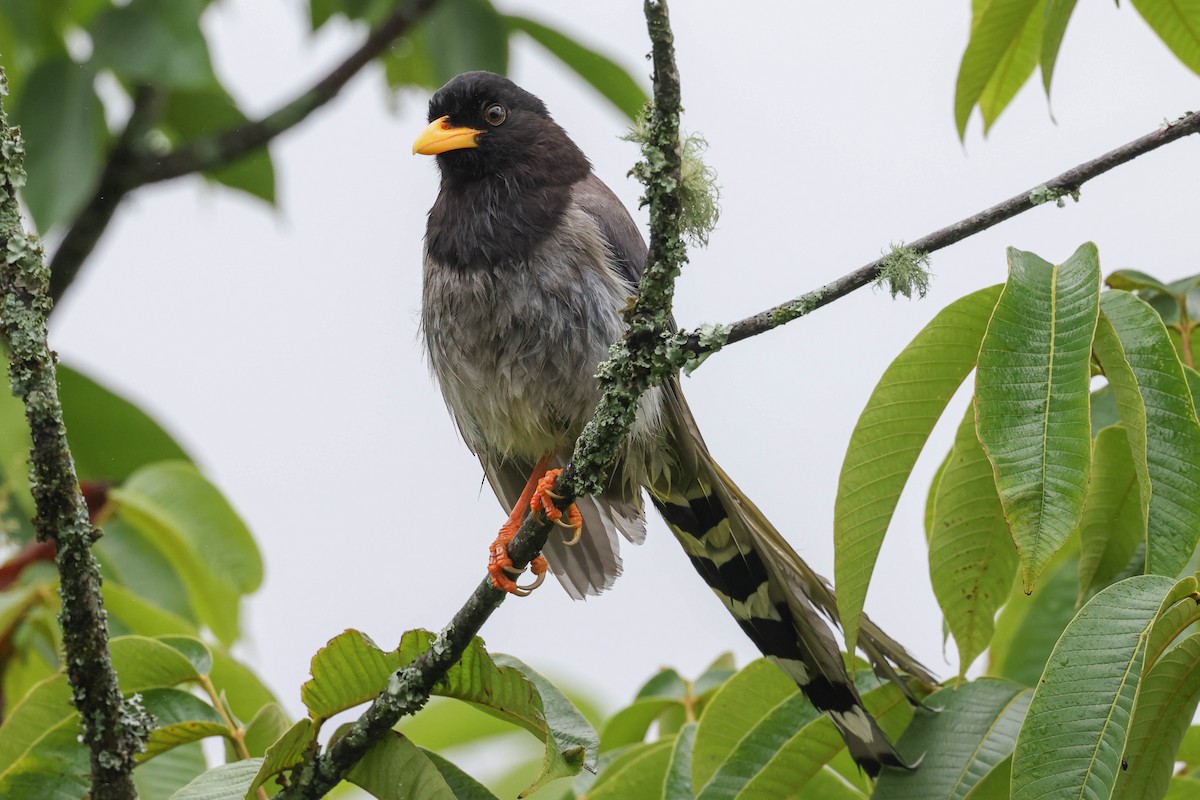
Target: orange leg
499, 564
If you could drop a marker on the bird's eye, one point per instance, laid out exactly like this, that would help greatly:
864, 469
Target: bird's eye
495, 114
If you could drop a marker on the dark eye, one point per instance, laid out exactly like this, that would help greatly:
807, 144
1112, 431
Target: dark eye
495, 114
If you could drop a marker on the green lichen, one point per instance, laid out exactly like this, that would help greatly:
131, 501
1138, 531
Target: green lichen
904, 271
797, 308
1044, 194
699, 193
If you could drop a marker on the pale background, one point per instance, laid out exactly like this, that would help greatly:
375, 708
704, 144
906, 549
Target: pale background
281, 346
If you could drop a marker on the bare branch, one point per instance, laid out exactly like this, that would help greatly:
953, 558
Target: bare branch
114, 730
689, 347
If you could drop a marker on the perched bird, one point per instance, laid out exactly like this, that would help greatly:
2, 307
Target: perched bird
529, 261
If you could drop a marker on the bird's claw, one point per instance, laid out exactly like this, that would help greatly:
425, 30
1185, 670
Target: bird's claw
541, 505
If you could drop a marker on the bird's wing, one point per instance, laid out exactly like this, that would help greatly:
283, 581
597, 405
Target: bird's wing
594, 197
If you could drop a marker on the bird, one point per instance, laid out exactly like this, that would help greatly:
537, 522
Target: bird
529, 260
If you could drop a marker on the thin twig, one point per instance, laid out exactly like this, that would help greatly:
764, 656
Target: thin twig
131, 167
689, 346
113, 730
626, 375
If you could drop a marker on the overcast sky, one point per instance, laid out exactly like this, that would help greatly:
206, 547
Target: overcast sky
280, 345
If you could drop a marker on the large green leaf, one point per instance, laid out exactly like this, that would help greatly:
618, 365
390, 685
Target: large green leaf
973, 730
1112, 524
154, 42
396, 769
348, 671
62, 122
604, 74
200, 534
463, 785
110, 436
57, 769
222, 782
1014, 67
1177, 23
1058, 14
1031, 398
179, 718
1159, 417
1166, 702
677, 785
1071, 742
640, 771
134, 561
972, 560
993, 33
904, 407
161, 776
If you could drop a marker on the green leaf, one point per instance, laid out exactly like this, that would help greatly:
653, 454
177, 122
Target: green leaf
1112, 524
62, 123
110, 436
1183, 788
352, 669
1131, 281
1029, 625
267, 727
463, 785
134, 562
1014, 68
570, 729
630, 724
604, 74
666, 683
154, 42
1166, 702
785, 753
992, 35
1178, 612
995, 785
1177, 23
1058, 14
972, 560
904, 407
222, 782
179, 718
465, 35
143, 663
396, 769
348, 671
47, 705
1031, 398
1075, 729
161, 776
57, 769
972, 731
445, 723
640, 772
1156, 408
745, 698
200, 534
190, 114
677, 785
287, 752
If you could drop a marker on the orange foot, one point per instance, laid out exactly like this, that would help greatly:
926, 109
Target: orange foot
539, 504
500, 565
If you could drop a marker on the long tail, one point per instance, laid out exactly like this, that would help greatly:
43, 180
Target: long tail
781, 604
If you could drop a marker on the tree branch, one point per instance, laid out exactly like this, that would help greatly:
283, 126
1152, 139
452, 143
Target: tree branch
624, 377
129, 166
113, 730
687, 348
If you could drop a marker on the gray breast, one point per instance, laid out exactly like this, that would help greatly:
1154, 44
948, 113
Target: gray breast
515, 348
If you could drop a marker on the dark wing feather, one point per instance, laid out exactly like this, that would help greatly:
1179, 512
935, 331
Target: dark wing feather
618, 228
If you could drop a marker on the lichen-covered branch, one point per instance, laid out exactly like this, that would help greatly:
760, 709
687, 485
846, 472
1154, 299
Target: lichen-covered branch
130, 166
624, 377
113, 729
688, 348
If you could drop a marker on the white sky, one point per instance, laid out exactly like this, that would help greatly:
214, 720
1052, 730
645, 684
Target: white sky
281, 346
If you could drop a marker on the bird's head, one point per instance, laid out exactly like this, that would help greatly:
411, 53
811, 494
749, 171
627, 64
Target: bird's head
483, 124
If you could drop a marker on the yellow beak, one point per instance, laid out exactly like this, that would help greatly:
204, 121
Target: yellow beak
440, 137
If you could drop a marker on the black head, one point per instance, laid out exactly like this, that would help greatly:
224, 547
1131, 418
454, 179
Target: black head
483, 124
